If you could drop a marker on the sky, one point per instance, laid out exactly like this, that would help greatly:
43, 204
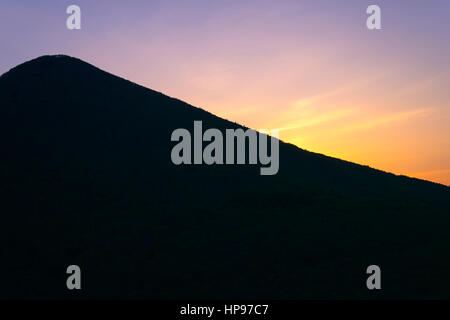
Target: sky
311, 69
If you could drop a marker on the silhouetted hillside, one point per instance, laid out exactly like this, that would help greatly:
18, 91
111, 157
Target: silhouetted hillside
87, 179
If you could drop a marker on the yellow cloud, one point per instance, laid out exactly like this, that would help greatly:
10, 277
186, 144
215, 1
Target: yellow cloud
384, 120
441, 176
317, 119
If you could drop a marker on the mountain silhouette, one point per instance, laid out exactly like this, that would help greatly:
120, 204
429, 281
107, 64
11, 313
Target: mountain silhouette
87, 180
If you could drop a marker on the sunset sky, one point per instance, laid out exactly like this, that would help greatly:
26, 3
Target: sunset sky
309, 68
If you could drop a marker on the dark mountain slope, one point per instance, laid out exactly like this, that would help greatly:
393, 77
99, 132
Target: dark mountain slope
86, 178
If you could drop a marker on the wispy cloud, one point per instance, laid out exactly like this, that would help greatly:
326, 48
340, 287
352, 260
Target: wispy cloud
315, 120
384, 119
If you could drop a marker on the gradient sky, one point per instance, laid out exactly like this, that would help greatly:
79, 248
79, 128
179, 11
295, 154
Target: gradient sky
310, 68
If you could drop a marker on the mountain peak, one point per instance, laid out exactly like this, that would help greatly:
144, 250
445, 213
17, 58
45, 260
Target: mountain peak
46, 63
54, 56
